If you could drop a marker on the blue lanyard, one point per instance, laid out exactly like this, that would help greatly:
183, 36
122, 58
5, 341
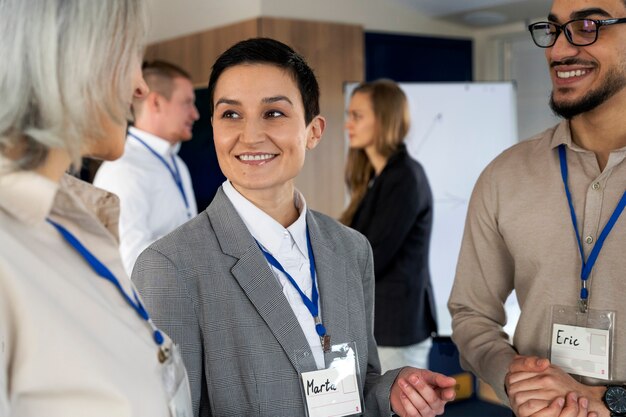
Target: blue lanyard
587, 265
105, 273
311, 304
174, 172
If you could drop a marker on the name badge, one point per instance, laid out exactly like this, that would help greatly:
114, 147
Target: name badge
334, 391
582, 342
581, 351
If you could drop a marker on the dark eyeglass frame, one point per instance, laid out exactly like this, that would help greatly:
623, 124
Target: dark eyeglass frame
568, 34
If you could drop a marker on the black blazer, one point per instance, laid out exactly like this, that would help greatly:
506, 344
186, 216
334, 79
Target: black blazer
396, 217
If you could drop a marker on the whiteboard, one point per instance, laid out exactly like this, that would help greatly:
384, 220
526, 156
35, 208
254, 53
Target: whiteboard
456, 130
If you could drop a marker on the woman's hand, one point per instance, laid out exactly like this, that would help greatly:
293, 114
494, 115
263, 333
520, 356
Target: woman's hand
421, 393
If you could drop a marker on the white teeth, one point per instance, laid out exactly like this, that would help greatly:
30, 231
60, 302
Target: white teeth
570, 74
261, 157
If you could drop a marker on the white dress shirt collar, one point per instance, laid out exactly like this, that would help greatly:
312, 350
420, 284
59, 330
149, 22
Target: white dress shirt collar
267, 231
160, 145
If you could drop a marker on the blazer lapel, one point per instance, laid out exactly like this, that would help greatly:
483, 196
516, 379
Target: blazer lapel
331, 273
258, 282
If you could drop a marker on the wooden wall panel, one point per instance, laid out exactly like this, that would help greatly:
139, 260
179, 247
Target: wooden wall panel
196, 53
336, 54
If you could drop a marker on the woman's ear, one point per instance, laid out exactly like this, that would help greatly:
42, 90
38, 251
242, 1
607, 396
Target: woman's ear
317, 126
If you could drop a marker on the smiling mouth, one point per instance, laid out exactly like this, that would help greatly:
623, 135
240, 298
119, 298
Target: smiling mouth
258, 157
570, 74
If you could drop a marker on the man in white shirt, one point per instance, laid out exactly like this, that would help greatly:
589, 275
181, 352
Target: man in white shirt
152, 182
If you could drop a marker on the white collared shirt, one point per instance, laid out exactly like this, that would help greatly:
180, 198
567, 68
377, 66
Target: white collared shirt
289, 247
151, 204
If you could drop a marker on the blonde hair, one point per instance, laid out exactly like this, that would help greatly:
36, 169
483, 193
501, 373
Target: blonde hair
65, 64
391, 110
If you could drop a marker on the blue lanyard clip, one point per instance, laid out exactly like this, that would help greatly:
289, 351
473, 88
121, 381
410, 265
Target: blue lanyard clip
583, 305
583, 302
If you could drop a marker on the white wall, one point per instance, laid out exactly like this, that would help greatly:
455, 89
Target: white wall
507, 53
488, 51
171, 19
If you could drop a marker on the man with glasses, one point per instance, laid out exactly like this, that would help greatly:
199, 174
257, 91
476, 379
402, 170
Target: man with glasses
545, 220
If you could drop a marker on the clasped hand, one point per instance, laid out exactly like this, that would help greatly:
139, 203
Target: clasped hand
421, 393
539, 389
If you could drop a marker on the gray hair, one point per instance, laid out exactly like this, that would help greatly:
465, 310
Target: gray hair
64, 65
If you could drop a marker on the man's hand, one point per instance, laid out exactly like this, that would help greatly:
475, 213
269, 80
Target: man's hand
421, 393
533, 384
528, 364
570, 406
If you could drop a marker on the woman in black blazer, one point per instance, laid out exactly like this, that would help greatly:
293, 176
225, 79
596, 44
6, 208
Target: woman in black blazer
391, 204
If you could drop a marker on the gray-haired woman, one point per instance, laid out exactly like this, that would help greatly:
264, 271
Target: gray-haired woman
75, 339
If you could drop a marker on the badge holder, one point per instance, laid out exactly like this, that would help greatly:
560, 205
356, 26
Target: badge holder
176, 382
336, 390
582, 342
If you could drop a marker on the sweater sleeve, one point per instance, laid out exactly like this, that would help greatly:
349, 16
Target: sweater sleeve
484, 280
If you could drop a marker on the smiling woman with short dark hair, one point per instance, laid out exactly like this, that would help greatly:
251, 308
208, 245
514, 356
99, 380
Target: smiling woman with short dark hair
259, 290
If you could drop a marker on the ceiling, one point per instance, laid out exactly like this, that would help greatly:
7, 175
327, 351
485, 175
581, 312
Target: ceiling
481, 13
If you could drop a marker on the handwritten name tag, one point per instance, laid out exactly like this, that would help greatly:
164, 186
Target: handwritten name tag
312, 387
332, 392
581, 350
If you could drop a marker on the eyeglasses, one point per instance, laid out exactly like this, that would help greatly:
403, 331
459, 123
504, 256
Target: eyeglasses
579, 32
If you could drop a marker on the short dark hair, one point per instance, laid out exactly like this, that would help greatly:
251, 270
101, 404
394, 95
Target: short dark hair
272, 52
159, 76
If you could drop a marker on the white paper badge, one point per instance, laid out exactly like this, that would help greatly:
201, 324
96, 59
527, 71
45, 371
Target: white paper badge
332, 392
581, 350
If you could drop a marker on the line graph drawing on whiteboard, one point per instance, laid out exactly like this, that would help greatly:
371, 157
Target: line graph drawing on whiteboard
454, 201
428, 134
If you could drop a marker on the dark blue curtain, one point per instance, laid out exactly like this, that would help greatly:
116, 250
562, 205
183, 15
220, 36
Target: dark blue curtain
405, 58
199, 155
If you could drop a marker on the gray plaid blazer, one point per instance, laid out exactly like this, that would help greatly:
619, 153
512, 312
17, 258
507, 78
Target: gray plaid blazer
209, 287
